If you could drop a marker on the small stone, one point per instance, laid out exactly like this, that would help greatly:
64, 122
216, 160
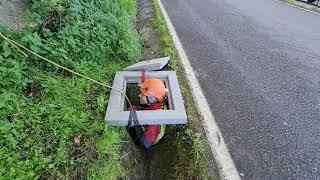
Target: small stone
241, 174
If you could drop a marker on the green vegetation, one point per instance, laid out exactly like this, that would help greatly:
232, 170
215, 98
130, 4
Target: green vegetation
302, 5
167, 46
51, 122
190, 141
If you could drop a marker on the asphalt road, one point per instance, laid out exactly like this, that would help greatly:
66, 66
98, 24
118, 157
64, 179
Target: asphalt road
258, 63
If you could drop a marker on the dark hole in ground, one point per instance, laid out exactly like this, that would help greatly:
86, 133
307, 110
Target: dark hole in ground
132, 91
32, 90
53, 22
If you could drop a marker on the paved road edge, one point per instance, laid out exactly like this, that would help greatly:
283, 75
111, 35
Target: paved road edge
218, 146
294, 6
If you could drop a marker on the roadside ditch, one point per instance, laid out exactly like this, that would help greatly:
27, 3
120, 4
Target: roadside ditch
183, 153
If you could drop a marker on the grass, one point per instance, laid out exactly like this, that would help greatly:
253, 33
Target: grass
51, 122
302, 5
167, 46
192, 135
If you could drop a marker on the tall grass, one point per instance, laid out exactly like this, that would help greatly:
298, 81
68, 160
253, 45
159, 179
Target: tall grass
51, 122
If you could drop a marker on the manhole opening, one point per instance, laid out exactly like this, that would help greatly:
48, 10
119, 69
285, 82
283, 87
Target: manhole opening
132, 91
127, 81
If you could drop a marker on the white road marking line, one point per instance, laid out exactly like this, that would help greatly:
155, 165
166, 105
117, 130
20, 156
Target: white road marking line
297, 7
218, 146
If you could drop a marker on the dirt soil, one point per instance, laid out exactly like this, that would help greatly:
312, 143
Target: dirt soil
12, 13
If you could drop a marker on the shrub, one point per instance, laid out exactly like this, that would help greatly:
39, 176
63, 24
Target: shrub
43, 109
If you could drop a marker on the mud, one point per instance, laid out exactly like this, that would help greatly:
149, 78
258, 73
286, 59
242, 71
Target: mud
12, 13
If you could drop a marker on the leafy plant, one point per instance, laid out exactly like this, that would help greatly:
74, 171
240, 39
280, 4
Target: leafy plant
51, 122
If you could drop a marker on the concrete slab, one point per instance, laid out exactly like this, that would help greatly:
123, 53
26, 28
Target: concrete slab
150, 65
118, 116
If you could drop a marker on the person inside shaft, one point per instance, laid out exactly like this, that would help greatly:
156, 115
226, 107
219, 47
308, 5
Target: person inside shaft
152, 96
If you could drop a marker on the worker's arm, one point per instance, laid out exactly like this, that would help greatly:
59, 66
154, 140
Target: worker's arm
135, 130
137, 134
136, 107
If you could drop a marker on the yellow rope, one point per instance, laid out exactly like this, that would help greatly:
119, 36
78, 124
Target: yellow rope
8, 40
15, 44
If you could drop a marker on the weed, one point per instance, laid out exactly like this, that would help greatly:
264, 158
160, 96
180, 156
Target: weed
197, 144
43, 109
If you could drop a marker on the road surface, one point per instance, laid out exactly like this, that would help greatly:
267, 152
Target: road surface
258, 63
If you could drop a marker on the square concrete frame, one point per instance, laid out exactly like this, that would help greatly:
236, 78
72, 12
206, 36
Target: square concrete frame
117, 116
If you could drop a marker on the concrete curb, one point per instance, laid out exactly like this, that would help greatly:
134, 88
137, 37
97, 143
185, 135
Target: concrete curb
218, 146
298, 7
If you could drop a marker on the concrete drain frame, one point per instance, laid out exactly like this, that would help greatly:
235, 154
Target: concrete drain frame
118, 115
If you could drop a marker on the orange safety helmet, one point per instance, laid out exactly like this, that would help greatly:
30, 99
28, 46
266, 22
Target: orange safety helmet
153, 87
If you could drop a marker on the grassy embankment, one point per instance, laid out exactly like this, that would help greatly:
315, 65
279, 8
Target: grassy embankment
191, 144
302, 5
52, 121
